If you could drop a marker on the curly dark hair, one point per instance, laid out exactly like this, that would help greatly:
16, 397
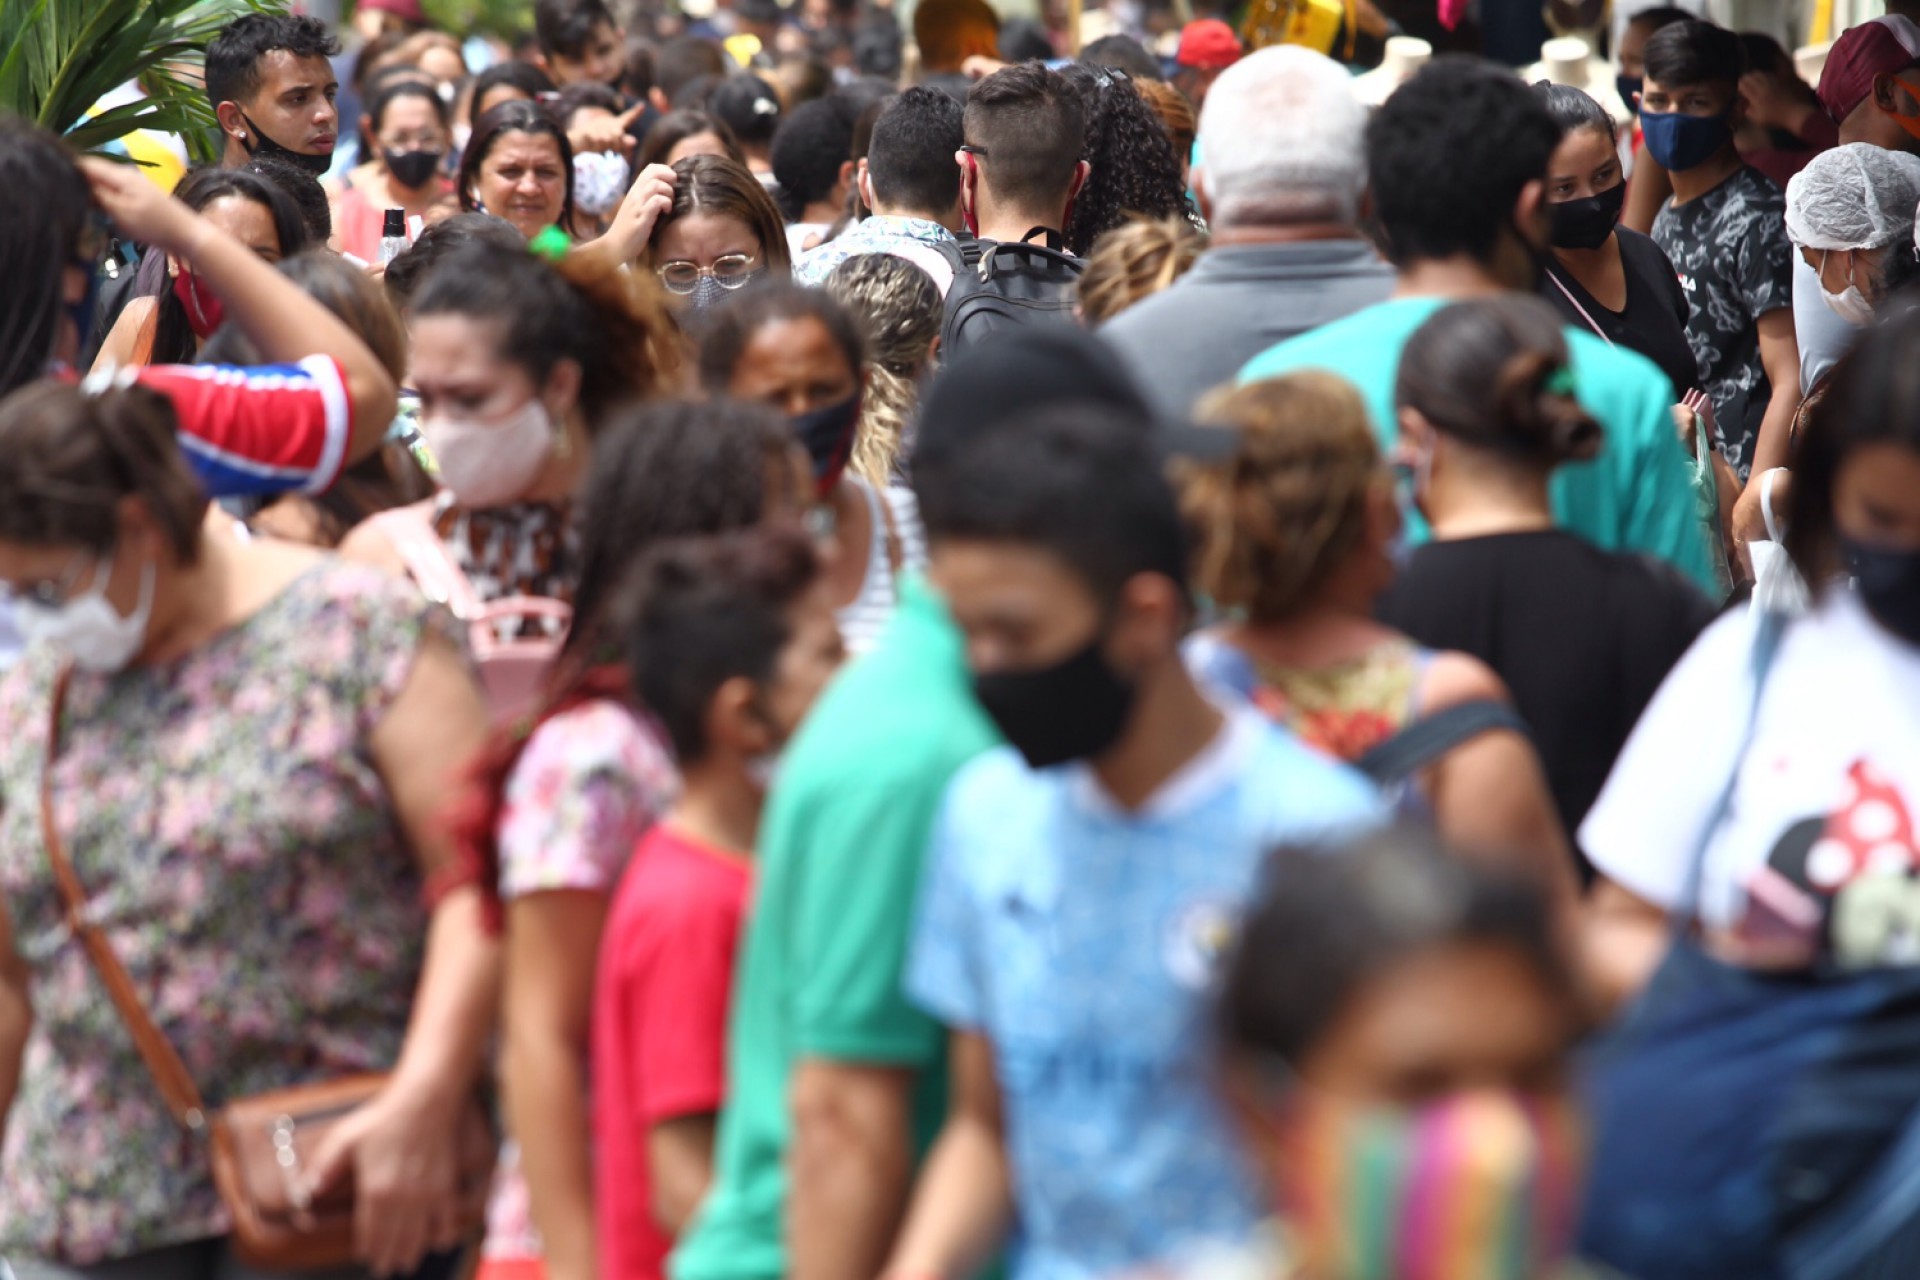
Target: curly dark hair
1135, 172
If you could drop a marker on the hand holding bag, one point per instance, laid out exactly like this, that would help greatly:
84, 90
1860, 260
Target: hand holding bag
259, 1146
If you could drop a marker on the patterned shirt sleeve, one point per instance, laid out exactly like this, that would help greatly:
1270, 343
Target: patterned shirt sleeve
260, 430
1763, 269
586, 788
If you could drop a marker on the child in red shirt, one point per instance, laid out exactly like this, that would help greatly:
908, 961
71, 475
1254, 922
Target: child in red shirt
729, 640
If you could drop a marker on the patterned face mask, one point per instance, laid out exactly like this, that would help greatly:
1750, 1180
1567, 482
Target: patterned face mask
1469, 1186
599, 181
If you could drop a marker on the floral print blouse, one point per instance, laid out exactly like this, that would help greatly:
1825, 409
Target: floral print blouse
243, 858
586, 788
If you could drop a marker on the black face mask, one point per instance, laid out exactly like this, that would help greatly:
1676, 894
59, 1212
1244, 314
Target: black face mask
1628, 87
412, 169
261, 145
1069, 711
827, 436
1586, 223
1888, 580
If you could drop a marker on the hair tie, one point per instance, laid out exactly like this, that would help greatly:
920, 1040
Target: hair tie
1560, 383
551, 244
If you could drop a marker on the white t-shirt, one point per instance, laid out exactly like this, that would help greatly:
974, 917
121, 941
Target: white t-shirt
1821, 824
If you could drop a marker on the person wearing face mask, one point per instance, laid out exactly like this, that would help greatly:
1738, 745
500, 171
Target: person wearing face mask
407, 123
1458, 160
313, 931
1604, 277
1581, 636
1357, 1033
1850, 213
730, 640
518, 362
721, 233
1296, 532
836, 1082
173, 312
602, 165
272, 88
801, 352
554, 807
1766, 801
1725, 235
1062, 891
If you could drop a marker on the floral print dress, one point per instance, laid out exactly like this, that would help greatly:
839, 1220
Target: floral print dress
242, 856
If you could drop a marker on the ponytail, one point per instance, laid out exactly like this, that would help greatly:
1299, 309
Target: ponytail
1496, 375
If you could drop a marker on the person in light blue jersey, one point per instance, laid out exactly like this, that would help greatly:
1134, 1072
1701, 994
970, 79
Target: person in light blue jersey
1457, 159
1085, 881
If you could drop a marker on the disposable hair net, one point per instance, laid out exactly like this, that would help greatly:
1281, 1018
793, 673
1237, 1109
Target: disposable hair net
1854, 197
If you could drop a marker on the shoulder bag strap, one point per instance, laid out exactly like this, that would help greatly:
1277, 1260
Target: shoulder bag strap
168, 1071
1568, 294
1430, 737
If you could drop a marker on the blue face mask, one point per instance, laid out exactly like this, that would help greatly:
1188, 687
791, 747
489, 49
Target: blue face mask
1679, 142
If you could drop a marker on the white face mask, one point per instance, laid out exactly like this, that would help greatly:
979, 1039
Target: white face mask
489, 464
599, 181
87, 628
1850, 304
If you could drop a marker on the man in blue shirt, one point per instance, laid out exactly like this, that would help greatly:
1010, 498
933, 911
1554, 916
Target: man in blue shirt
1457, 161
1085, 881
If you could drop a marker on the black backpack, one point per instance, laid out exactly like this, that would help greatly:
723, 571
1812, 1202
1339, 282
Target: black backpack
1016, 283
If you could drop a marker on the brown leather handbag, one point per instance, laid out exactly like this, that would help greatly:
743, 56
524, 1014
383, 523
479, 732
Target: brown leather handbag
259, 1146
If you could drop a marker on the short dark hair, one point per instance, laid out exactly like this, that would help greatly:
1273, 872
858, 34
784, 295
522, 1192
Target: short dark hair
910, 158
1573, 108
1067, 480
1448, 155
729, 327
514, 73
1328, 921
1694, 52
683, 60
1026, 40
584, 94
407, 272
233, 59
72, 456
878, 47
665, 469
1032, 124
702, 611
749, 106
1123, 52
299, 186
564, 26
675, 127
809, 149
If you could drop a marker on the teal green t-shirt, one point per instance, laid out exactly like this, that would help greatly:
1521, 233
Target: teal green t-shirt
1637, 495
838, 879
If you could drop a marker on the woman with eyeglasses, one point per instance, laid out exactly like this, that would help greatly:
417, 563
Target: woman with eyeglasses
803, 353
721, 234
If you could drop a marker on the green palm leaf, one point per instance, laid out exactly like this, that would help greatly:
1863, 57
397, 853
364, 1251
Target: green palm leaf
64, 56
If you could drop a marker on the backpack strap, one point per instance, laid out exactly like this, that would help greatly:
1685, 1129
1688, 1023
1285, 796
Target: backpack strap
428, 559
1430, 737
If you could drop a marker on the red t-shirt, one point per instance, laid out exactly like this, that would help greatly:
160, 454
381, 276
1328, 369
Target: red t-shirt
659, 1027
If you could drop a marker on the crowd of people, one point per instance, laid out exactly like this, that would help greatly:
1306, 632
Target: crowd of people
855, 642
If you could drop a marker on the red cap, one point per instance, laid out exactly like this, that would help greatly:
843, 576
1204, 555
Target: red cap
1881, 47
408, 9
1208, 45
